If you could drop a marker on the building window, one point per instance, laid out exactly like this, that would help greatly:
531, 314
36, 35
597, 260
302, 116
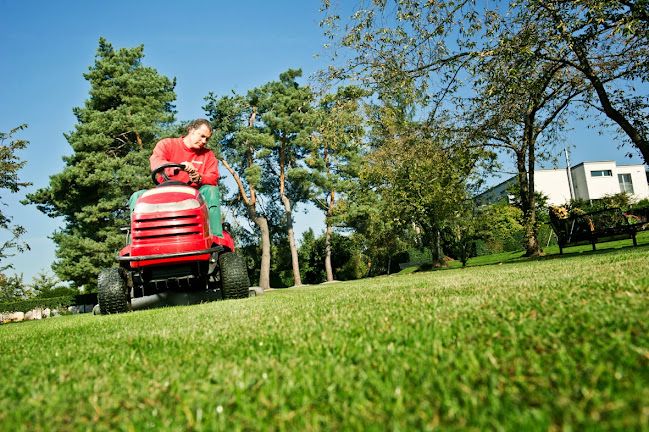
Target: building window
601, 173
626, 185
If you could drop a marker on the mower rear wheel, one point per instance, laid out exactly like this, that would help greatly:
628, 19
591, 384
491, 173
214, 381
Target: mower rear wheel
111, 291
234, 276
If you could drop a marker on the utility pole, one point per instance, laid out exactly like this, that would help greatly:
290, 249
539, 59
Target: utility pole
569, 173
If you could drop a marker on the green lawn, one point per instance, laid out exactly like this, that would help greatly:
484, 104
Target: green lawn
559, 343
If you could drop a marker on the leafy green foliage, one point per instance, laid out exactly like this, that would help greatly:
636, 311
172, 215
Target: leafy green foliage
10, 165
129, 106
460, 235
12, 288
35, 303
602, 41
378, 235
286, 111
346, 259
336, 156
529, 64
241, 142
501, 229
621, 200
422, 178
263, 138
642, 204
417, 255
45, 285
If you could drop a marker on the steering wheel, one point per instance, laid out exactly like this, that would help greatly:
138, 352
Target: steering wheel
161, 170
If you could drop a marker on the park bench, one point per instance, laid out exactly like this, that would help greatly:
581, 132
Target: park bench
599, 226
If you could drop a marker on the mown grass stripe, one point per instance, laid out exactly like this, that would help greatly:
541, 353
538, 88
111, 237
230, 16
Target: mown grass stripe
551, 343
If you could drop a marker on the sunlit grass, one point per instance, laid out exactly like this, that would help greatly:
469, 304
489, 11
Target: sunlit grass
551, 343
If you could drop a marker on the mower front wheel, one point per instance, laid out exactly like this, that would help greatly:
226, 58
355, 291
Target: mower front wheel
112, 293
235, 283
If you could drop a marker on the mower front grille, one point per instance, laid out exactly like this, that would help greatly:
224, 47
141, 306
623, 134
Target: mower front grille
151, 228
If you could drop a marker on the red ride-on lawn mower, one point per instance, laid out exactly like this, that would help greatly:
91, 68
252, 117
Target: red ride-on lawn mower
171, 258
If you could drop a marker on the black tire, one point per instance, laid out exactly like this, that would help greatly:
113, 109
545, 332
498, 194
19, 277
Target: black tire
234, 276
111, 291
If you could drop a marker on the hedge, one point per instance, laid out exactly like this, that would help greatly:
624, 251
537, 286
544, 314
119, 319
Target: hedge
31, 304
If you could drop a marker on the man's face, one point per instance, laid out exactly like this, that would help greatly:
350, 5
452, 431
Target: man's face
197, 138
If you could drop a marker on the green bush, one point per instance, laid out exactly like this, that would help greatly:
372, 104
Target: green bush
502, 230
621, 200
643, 204
641, 210
27, 305
415, 255
354, 268
346, 259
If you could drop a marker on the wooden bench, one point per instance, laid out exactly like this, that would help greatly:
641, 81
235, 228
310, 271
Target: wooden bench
598, 226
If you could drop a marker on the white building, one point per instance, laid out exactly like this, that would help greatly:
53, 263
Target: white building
587, 181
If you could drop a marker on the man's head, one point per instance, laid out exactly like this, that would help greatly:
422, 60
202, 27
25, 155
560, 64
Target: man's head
199, 132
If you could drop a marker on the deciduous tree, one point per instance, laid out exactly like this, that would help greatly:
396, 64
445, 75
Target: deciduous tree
10, 165
521, 105
336, 157
12, 288
607, 42
421, 175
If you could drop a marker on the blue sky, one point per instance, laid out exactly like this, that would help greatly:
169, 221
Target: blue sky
208, 46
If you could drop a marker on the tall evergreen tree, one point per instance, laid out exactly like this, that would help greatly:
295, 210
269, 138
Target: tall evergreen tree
243, 142
286, 111
116, 130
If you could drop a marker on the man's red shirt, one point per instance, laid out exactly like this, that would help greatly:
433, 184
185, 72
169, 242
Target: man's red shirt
173, 150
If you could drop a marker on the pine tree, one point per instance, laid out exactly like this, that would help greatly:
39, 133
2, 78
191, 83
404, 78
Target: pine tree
116, 130
264, 138
286, 111
242, 139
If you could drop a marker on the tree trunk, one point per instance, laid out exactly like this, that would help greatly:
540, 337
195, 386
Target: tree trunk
291, 240
330, 210
330, 273
262, 224
289, 215
264, 270
532, 246
438, 253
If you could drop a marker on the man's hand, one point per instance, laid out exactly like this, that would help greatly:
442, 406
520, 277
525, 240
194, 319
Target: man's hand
194, 176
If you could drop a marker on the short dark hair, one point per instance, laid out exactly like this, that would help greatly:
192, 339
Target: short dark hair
195, 124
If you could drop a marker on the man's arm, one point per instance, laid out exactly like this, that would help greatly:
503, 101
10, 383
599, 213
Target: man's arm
209, 169
161, 155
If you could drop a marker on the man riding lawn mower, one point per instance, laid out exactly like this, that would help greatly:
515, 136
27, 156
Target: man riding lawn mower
176, 252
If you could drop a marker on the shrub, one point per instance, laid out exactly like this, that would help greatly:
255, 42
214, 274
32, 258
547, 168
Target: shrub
502, 230
415, 255
622, 200
45, 303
